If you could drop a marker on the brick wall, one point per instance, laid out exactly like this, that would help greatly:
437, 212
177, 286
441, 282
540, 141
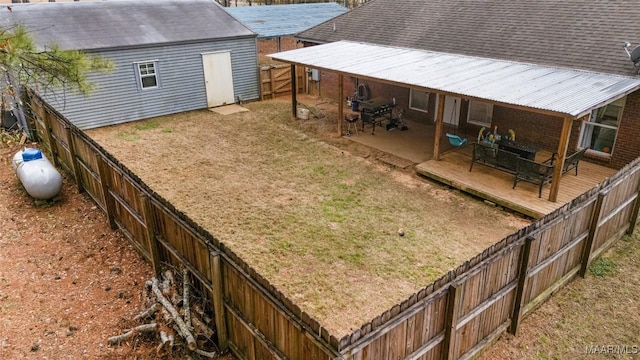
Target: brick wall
627, 146
270, 46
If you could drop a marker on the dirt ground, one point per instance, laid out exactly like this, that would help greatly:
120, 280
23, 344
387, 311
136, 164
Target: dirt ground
67, 281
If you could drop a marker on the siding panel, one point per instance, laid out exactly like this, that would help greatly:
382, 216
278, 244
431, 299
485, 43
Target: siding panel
117, 99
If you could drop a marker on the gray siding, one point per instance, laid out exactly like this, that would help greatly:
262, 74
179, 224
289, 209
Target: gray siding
117, 98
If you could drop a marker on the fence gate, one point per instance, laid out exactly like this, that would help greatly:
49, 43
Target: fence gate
275, 80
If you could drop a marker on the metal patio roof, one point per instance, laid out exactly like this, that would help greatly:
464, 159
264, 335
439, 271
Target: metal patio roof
271, 21
560, 91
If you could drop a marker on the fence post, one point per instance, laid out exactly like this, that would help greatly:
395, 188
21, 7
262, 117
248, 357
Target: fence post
634, 213
149, 225
50, 139
74, 159
451, 322
522, 278
218, 301
109, 205
586, 251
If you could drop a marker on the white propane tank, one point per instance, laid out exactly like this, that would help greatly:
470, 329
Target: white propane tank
41, 179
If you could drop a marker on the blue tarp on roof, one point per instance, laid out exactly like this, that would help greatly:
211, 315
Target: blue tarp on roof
271, 21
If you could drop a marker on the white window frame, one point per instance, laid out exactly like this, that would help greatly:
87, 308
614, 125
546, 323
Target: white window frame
488, 113
595, 121
144, 73
425, 100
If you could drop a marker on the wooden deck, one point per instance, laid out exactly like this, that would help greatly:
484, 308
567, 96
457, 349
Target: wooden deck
496, 186
415, 145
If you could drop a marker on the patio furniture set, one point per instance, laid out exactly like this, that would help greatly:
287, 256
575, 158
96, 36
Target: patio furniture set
519, 159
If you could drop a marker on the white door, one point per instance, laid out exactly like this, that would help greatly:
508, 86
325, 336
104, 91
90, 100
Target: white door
452, 110
218, 78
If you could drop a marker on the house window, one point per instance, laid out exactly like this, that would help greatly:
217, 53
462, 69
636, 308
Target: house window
599, 133
147, 74
480, 113
419, 100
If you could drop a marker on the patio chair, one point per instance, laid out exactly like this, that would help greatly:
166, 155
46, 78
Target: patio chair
533, 172
456, 140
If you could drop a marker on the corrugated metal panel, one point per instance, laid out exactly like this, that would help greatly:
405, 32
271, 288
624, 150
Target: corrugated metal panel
117, 98
281, 20
124, 23
557, 90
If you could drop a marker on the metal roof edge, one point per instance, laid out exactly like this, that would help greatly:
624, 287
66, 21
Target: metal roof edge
171, 43
637, 76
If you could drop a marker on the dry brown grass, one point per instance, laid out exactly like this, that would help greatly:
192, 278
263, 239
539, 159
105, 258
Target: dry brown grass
309, 210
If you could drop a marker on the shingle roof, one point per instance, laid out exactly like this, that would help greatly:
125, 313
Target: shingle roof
583, 34
123, 23
283, 20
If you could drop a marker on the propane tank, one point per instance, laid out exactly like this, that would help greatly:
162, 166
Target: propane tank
38, 176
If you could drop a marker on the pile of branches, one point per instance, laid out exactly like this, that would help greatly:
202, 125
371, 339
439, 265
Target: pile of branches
173, 318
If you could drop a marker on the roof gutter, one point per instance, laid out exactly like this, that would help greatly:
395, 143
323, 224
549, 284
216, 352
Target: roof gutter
171, 43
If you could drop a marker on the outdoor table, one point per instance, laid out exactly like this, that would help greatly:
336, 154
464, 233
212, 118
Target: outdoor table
523, 150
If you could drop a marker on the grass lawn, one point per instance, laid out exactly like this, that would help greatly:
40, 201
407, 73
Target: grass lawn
312, 212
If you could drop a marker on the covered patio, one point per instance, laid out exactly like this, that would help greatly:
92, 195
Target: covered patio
565, 94
415, 145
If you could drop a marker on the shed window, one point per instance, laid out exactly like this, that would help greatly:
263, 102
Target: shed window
480, 113
599, 133
147, 74
419, 100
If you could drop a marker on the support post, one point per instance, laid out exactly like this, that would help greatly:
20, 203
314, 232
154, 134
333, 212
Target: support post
451, 322
562, 154
522, 279
593, 229
150, 229
438, 130
294, 100
74, 159
218, 301
109, 204
340, 102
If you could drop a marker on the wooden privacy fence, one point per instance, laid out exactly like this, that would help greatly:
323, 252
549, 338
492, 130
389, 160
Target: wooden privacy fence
275, 80
456, 317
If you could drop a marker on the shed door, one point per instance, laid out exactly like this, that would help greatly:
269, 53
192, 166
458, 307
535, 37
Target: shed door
218, 78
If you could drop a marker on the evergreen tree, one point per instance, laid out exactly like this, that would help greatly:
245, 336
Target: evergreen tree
24, 64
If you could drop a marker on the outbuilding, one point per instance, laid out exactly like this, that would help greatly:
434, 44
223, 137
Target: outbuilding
170, 56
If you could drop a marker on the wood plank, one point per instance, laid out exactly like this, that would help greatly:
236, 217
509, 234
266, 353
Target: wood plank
451, 319
586, 253
496, 186
522, 277
218, 301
